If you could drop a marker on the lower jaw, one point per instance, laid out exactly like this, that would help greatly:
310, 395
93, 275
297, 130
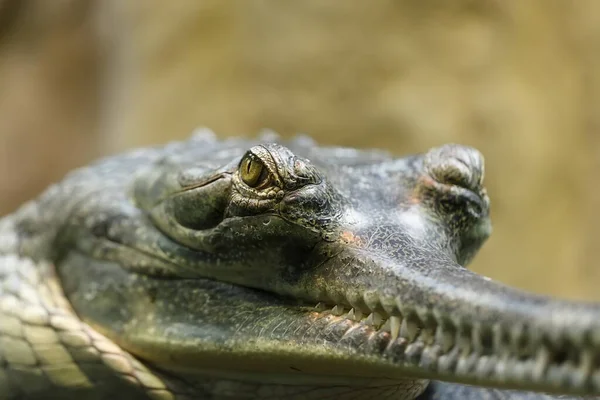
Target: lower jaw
258, 385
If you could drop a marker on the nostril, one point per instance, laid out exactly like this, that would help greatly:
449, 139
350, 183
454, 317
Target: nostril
455, 165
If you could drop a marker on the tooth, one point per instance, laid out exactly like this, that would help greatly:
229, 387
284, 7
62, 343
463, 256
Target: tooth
427, 335
394, 326
541, 363
476, 338
517, 336
463, 340
351, 314
501, 368
413, 351
408, 329
595, 337
374, 319
498, 339
520, 370
404, 328
358, 315
595, 380
445, 339
320, 307
587, 362
582, 373
429, 357
449, 361
387, 326
462, 365
445, 363
423, 314
338, 310
485, 366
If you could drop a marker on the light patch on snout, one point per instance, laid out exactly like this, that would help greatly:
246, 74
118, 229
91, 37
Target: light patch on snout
350, 238
412, 220
356, 221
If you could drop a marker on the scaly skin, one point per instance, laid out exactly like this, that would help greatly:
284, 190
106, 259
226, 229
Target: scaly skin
193, 271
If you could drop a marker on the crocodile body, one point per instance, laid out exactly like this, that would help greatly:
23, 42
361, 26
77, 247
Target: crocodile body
267, 269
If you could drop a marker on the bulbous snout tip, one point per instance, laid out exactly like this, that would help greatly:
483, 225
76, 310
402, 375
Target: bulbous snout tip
455, 164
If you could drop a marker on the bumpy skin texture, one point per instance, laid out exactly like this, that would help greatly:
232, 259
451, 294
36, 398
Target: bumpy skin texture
249, 269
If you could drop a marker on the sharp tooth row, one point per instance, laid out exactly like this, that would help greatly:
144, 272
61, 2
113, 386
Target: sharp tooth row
395, 325
506, 352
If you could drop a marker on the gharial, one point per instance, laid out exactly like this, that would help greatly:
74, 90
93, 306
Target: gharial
239, 269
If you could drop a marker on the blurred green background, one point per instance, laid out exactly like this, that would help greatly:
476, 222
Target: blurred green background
519, 80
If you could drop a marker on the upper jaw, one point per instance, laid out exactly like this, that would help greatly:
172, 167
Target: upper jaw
430, 317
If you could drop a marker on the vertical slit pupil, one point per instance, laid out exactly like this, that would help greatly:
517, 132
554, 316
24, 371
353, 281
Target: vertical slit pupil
252, 171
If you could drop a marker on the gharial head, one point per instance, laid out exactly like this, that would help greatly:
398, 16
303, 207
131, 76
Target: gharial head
282, 225
219, 254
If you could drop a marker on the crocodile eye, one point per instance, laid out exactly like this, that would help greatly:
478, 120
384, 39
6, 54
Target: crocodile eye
253, 172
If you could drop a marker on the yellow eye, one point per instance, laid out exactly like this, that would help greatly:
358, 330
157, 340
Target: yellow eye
252, 171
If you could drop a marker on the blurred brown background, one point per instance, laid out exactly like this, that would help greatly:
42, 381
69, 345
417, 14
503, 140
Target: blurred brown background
520, 80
